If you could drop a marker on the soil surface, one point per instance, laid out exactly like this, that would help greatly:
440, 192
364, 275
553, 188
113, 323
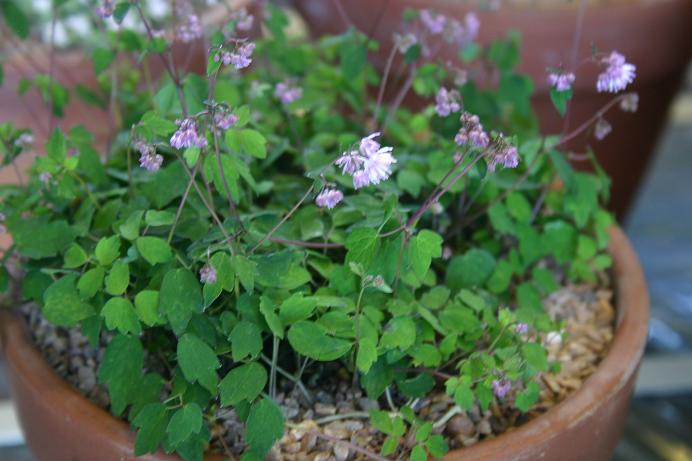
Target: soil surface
328, 421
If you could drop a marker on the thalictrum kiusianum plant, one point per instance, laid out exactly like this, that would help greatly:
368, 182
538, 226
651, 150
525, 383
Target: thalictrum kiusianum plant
279, 212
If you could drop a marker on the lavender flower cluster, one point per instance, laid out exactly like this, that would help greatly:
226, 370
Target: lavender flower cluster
148, 158
369, 164
617, 74
447, 102
223, 120
472, 132
207, 274
287, 92
187, 135
240, 57
452, 30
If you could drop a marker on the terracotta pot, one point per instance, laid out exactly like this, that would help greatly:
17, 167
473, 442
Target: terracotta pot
61, 425
655, 35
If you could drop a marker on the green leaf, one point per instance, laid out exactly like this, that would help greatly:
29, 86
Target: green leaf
535, 355
400, 333
157, 124
470, 270
411, 182
367, 354
352, 56
246, 340
198, 361
267, 308
362, 245
518, 207
526, 398
265, 425
147, 308
560, 100
463, 396
154, 250
108, 250
180, 296
101, 59
91, 282
120, 315
37, 238
437, 446
159, 218
56, 146
151, 421
130, 228
118, 279
248, 141
62, 304
245, 382
424, 246
296, 307
121, 371
246, 271
310, 340
120, 11
418, 454
184, 422
15, 18
75, 256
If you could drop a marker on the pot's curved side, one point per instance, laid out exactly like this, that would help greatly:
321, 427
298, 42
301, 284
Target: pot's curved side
61, 425
588, 425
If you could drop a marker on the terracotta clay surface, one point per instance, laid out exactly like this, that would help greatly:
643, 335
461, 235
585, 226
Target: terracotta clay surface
654, 35
61, 425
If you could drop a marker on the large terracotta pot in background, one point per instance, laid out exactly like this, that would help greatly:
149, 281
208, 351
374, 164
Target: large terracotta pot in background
655, 35
61, 425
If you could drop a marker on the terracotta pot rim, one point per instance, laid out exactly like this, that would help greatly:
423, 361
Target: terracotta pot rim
614, 371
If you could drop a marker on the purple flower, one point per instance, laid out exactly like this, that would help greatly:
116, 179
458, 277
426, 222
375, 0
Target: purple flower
207, 274
502, 154
561, 81
241, 57
45, 177
446, 102
187, 135
329, 198
378, 166
435, 23
370, 164
360, 179
521, 328
602, 129
501, 387
404, 42
105, 9
287, 92
148, 158
3, 229
189, 30
630, 102
350, 162
368, 145
24, 139
244, 21
617, 74
225, 120
462, 34
471, 131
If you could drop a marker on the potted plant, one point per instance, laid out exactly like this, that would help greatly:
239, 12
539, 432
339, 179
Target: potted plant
548, 32
272, 262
